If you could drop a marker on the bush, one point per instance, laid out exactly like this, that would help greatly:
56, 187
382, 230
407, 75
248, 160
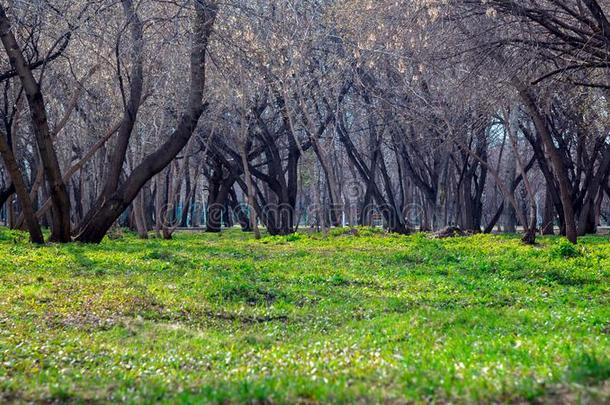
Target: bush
565, 249
13, 235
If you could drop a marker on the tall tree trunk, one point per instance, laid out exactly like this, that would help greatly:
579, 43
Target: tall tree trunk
104, 215
158, 203
174, 179
188, 196
250, 193
529, 228
57, 188
510, 215
559, 167
136, 80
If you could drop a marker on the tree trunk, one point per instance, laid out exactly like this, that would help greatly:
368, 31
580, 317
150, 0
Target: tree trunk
250, 193
220, 185
139, 219
331, 182
136, 80
57, 188
104, 215
21, 189
189, 192
529, 228
559, 167
548, 225
587, 221
510, 216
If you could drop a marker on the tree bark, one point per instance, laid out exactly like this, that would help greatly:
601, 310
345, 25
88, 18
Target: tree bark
104, 215
138, 214
529, 228
21, 189
57, 188
510, 215
136, 81
587, 221
559, 167
250, 193
548, 225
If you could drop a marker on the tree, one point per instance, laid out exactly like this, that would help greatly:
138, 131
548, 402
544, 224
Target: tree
59, 195
100, 219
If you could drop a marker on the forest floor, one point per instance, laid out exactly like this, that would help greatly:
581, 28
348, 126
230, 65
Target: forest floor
305, 318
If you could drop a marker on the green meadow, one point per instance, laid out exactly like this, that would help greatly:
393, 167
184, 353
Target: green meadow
353, 316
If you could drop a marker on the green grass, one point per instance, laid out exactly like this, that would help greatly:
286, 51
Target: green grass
345, 318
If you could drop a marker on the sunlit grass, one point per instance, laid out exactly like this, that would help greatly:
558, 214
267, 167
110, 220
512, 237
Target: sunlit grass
343, 318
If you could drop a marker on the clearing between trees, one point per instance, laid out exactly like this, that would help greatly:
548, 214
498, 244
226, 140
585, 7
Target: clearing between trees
352, 316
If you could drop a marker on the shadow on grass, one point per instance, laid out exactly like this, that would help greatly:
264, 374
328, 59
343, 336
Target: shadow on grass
589, 369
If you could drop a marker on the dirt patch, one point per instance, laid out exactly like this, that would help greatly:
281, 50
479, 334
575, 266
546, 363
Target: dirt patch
88, 321
245, 319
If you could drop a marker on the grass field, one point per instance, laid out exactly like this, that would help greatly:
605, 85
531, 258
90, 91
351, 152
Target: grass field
344, 318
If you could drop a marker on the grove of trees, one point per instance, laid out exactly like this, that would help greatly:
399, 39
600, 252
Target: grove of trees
487, 115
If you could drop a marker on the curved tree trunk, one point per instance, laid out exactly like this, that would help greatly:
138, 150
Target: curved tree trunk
559, 167
136, 81
57, 188
103, 216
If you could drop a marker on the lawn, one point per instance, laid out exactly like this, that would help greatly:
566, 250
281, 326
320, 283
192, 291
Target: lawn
364, 317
